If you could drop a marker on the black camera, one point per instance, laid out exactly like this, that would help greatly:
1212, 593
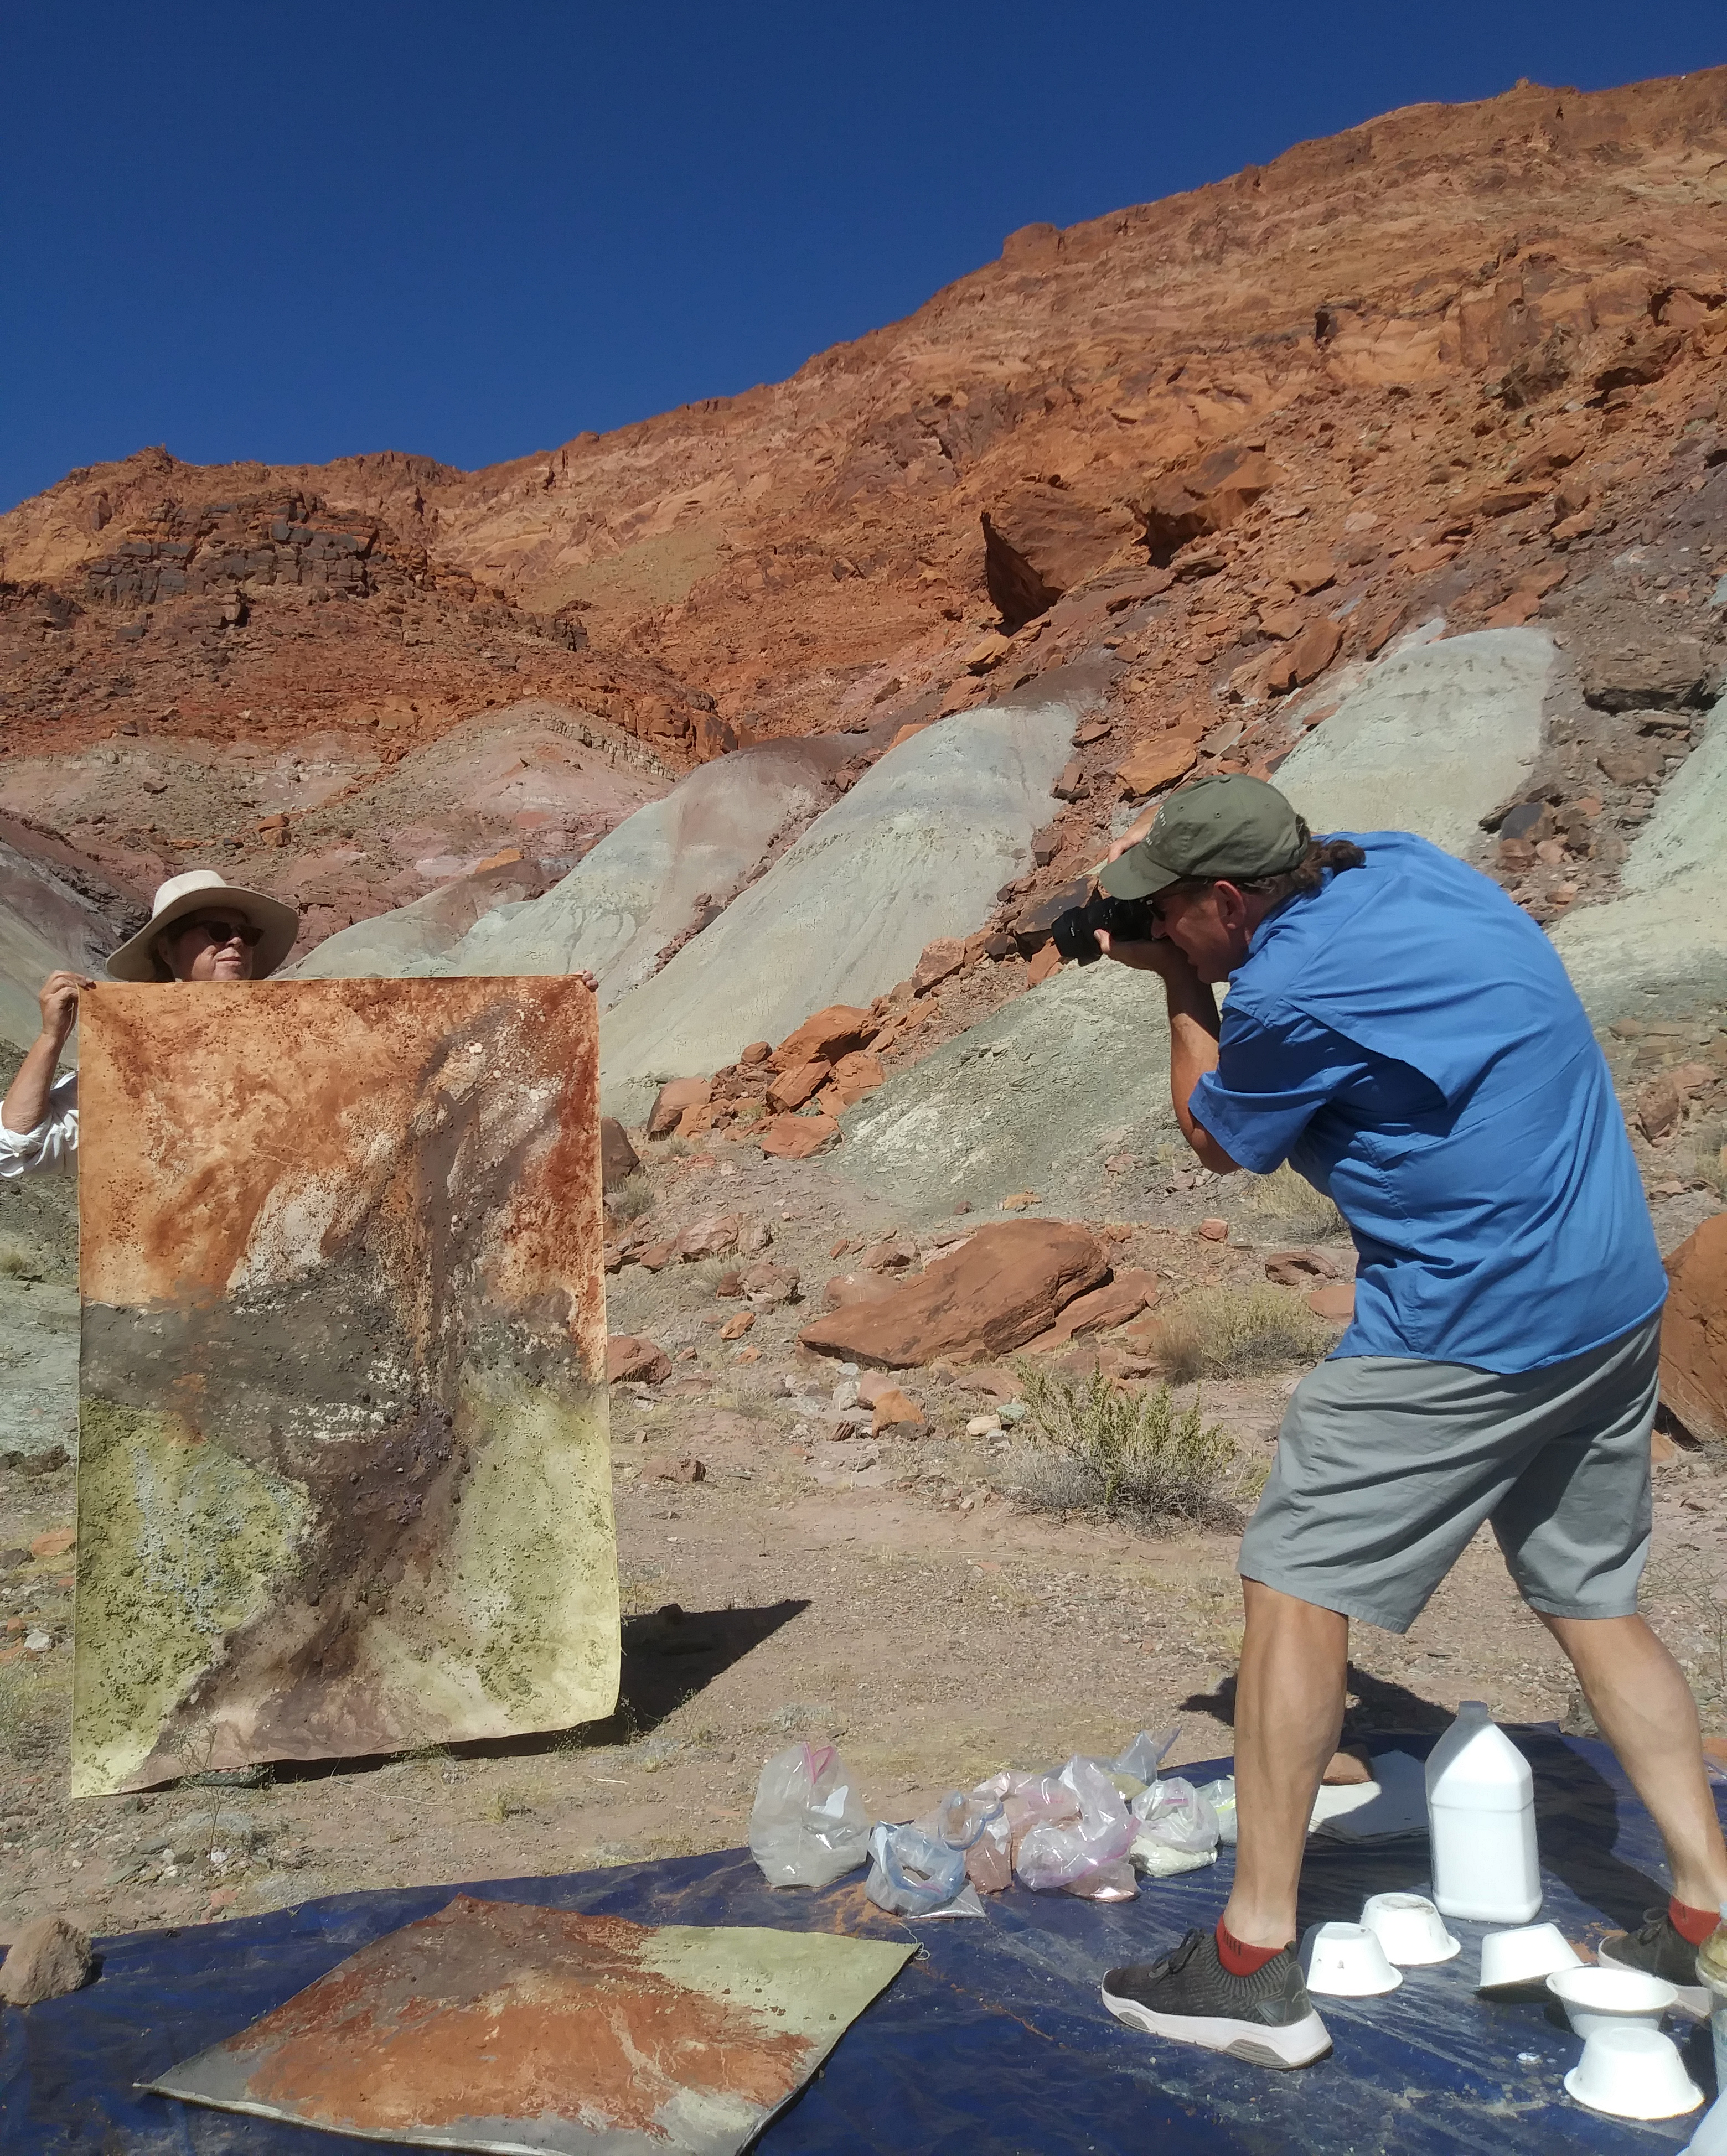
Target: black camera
1075, 932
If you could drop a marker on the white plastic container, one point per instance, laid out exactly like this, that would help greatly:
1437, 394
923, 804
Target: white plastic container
1480, 1818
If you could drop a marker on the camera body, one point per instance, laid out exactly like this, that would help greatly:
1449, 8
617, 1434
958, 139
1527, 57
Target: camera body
1074, 933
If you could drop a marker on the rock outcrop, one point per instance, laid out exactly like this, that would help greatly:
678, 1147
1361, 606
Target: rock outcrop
1693, 1332
1003, 1286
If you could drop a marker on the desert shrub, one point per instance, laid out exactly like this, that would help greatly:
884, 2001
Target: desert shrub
631, 1198
1091, 1444
17, 1261
1290, 1206
1708, 1156
1238, 1332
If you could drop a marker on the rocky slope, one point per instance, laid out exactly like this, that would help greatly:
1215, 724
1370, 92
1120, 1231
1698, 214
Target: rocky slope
1459, 367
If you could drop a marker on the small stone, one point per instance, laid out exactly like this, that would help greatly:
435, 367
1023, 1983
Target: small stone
747, 1355
48, 1958
983, 1425
1214, 1230
734, 1328
1019, 1202
1042, 968
55, 1543
1298, 1268
792, 1088
759, 1051
1336, 1300
36, 1642
689, 1469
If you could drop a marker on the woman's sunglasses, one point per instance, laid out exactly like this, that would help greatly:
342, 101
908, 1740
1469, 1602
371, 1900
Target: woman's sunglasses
220, 930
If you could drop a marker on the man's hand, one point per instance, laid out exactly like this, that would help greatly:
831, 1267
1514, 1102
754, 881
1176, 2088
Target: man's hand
1160, 956
59, 1003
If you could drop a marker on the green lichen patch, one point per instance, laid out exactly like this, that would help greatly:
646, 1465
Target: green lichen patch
179, 1543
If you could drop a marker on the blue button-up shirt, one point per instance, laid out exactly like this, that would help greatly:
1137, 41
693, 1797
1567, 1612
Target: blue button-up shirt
1408, 1040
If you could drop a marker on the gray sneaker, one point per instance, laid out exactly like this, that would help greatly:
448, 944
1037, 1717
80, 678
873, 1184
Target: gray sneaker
1265, 2020
1658, 1950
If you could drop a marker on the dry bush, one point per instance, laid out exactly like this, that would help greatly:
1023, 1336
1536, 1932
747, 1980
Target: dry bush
1709, 1155
17, 1261
1093, 1446
631, 1199
1239, 1332
32, 1713
1289, 1203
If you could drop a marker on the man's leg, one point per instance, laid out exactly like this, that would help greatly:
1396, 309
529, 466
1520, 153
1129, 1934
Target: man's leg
1643, 1707
1289, 1714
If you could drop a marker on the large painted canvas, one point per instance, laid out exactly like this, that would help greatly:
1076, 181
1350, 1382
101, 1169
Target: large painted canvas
344, 1481
529, 2031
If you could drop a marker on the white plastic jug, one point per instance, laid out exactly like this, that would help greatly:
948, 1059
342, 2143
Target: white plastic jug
1481, 1816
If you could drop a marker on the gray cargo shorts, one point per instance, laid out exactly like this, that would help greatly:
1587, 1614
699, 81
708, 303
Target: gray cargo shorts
1385, 1468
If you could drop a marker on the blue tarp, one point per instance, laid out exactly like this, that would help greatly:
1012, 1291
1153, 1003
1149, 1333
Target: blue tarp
993, 2039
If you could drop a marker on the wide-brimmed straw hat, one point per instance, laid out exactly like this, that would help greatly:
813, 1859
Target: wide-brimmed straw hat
196, 892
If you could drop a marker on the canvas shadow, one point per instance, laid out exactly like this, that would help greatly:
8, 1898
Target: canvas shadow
668, 1657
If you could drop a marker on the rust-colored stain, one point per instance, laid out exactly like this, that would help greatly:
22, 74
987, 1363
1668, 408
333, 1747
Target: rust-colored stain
585, 2032
344, 1482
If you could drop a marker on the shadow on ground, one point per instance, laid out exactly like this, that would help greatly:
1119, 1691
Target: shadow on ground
668, 1657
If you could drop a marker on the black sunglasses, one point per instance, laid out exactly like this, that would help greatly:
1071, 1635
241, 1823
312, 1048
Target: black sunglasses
221, 931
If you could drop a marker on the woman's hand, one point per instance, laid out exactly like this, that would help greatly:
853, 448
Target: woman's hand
59, 1004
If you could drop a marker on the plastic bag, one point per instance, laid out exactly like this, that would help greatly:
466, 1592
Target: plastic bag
807, 1825
1083, 1850
913, 1872
976, 1822
1177, 1829
1143, 1757
1221, 1795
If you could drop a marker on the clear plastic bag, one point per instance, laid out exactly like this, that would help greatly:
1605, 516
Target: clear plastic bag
1146, 1753
1221, 1795
1082, 1848
807, 1825
976, 1821
913, 1872
1177, 1829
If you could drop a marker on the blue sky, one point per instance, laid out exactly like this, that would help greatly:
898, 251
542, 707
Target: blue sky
473, 230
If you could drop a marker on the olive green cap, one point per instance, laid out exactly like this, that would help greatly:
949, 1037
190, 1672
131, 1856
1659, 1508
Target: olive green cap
1232, 827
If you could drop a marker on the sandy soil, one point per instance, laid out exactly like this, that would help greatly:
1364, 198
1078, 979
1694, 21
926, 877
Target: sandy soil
892, 1595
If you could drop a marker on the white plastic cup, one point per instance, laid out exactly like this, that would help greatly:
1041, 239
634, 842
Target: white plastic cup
1346, 1961
1597, 1999
1633, 2073
1530, 1954
1410, 1929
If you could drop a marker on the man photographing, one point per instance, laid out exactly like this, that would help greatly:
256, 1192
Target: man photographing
1406, 1038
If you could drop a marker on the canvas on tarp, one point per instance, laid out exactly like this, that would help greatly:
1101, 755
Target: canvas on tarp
993, 2037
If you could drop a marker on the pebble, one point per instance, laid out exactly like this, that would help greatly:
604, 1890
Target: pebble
983, 1425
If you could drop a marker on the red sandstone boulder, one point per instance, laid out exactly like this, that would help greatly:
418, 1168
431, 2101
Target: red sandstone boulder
795, 1137
709, 1238
1693, 1332
825, 1038
672, 1099
1100, 1311
945, 956
629, 1356
792, 1088
618, 1159
1004, 1286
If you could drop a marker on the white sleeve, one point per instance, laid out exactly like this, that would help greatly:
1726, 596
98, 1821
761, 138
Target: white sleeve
49, 1149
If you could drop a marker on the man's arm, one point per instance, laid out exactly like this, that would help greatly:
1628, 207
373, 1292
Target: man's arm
1193, 1035
25, 1107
